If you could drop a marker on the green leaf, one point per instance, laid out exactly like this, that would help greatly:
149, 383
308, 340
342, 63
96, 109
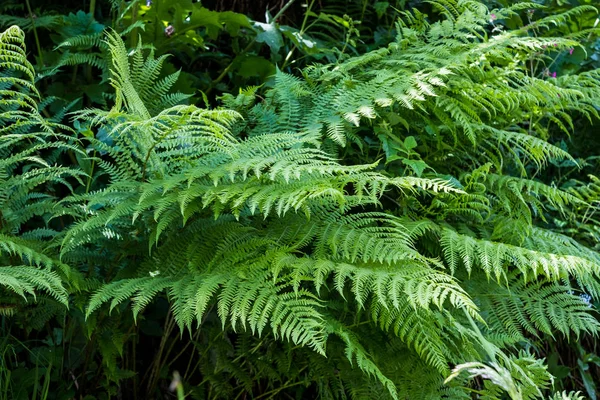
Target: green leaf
79, 24
211, 20
410, 143
588, 380
256, 66
270, 35
381, 8
306, 44
418, 166
234, 22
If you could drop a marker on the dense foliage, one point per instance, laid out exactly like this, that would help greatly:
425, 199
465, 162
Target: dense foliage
374, 201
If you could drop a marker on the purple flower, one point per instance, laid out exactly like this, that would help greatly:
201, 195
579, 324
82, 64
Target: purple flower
554, 74
493, 17
586, 298
169, 30
555, 44
571, 51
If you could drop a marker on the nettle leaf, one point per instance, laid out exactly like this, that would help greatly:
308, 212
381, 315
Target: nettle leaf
256, 66
381, 8
234, 22
410, 142
304, 42
418, 166
203, 17
269, 34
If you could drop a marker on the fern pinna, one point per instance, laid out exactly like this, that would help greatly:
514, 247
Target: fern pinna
372, 229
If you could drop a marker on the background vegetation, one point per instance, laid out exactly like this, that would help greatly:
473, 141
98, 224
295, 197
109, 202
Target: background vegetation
303, 199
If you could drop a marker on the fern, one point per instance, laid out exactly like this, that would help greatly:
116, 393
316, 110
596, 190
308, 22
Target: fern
26, 268
366, 226
264, 225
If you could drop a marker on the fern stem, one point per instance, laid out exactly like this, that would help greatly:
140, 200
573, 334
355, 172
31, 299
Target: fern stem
183, 350
89, 181
487, 346
279, 389
35, 34
155, 370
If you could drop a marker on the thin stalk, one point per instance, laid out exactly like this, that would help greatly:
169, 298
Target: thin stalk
155, 370
273, 392
183, 350
87, 186
364, 9
302, 30
487, 346
156, 22
228, 68
35, 34
88, 68
283, 9
46, 387
135, 377
246, 49
134, 34
74, 75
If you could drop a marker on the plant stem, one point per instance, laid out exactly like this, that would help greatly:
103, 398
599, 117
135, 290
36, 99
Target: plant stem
287, 5
159, 358
302, 30
279, 389
87, 187
364, 9
134, 33
35, 34
246, 49
487, 346
88, 68
228, 68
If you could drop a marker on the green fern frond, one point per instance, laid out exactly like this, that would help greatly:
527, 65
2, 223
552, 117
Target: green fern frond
25, 280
